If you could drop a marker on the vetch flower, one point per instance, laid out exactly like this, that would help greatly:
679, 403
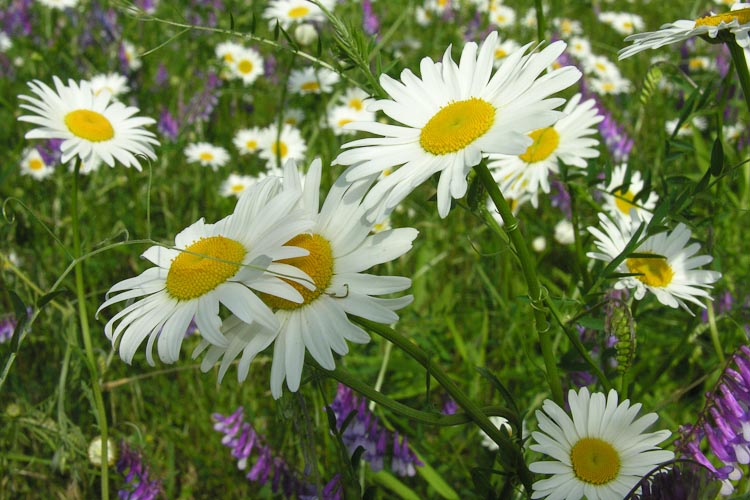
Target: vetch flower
211, 264
138, 483
90, 126
340, 248
452, 116
599, 451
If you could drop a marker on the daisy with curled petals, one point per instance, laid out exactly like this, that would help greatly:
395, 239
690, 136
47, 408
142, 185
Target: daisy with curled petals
672, 273
212, 265
90, 126
341, 248
735, 22
618, 200
568, 141
454, 115
599, 452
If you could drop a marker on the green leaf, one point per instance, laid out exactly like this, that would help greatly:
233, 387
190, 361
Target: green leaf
435, 480
717, 158
389, 481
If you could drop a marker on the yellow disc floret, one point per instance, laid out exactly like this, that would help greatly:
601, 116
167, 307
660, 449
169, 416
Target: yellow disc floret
298, 12
203, 266
652, 271
279, 148
456, 126
310, 86
742, 16
624, 201
89, 125
245, 66
545, 143
318, 265
594, 461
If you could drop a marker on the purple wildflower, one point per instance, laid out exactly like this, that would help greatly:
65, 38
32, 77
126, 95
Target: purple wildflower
721, 306
560, 198
7, 327
202, 104
162, 75
15, 19
449, 407
138, 484
683, 480
168, 126
370, 21
724, 422
364, 430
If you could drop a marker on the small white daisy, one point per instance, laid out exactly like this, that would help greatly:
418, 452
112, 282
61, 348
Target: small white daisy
625, 23
341, 249
503, 16
247, 140
247, 65
236, 184
90, 125
339, 116
599, 452
356, 99
504, 49
113, 83
276, 148
211, 265
59, 4
569, 141
687, 127
452, 116
580, 48
228, 51
498, 422
34, 165
736, 22
312, 81
564, 232
672, 274
610, 85
567, 27
292, 116
600, 66
129, 52
5, 42
619, 202
207, 155
288, 12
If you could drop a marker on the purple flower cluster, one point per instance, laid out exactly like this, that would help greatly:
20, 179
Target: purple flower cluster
7, 327
615, 138
139, 486
370, 21
242, 439
724, 422
364, 430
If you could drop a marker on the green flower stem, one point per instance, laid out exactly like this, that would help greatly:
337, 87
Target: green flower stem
711, 313
740, 65
539, 20
528, 267
510, 451
86, 333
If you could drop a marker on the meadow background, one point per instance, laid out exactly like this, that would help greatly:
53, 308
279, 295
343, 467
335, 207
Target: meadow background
470, 308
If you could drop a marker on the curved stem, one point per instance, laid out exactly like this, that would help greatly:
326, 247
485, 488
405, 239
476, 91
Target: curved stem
528, 266
101, 415
511, 453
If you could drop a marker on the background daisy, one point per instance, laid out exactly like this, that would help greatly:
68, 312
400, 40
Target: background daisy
207, 155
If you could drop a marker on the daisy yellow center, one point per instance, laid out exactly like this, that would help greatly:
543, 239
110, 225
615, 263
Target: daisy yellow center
310, 86
298, 12
279, 148
318, 265
500, 53
695, 63
608, 87
594, 461
251, 144
654, 271
624, 201
203, 266
36, 164
89, 125
356, 104
741, 15
290, 121
206, 156
228, 57
344, 121
245, 66
545, 143
237, 188
456, 126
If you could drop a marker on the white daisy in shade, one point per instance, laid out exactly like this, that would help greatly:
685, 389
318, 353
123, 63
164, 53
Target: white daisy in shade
665, 265
236, 184
292, 116
736, 22
312, 81
247, 65
90, 126
207, 155
570, 141
276, 148
452, 117
341, 249
33, 164
211, 265
618, 199
247, 140
114, 83
599, 452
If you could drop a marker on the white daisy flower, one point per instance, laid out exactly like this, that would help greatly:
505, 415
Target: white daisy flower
247, 65
567, 27
236, 184
355, 98
5, 42
247, 140
90, 126
701, 63
312, 81
211, 265
569, 141
87, 167
610, 85
422, 16
341, 249
580, 48
280, 147
687, 127
439, 7
600, 453
34, 165
287, 12
625, 23
600, 66
618, 202
672, 273
339, 116
207, 155
293, 117
498, 422
59, 4
131, 55
503, 49
564, 232
503, 16
736, 22
228, 51
452, 117
113, 83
